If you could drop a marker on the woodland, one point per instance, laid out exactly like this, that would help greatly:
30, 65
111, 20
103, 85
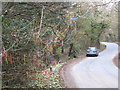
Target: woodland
37, 36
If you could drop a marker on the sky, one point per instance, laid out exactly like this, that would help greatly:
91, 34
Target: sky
110, 0
110, 4
57, 0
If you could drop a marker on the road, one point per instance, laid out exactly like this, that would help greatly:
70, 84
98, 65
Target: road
97, 72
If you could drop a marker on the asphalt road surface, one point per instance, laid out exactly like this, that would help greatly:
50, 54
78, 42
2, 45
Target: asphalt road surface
97, 72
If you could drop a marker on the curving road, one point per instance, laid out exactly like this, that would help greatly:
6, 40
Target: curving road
97, 72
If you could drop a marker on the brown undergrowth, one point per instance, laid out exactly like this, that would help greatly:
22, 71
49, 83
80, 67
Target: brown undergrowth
116, 60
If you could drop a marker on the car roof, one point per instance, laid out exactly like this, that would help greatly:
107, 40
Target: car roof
91, 48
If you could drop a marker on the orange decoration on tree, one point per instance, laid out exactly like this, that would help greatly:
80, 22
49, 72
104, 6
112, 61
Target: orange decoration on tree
56, 27
11, 59
51, 49
34, 57
24, 59
36, 22
14, 33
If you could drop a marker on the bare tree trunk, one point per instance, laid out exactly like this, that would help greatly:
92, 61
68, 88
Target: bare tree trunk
70, 50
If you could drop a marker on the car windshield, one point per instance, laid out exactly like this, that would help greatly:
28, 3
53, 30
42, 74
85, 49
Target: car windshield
92, 48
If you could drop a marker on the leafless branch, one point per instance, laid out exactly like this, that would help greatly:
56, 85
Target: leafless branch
41, 20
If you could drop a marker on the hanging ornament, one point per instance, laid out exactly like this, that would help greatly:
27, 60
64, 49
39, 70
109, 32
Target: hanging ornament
47, 47
36, 22
27, 74
14, 33
46, 60
24, 59
34, 57
61, 44
38, 63
11, 59
57, 27
41, 74
4, 56
55, 41
43, 52
0, 58
0, 61
51, 49
40, 40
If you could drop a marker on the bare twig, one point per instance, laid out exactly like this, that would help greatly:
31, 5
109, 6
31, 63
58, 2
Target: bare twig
104, 3
10, 47
41, 21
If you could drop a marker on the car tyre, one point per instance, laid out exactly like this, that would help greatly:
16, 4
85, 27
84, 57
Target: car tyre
96, 55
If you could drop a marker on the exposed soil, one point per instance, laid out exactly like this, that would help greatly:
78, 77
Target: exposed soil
68, 81
116, 62
116, 59
118, 43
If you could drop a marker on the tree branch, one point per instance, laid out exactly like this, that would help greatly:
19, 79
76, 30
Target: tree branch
41, 21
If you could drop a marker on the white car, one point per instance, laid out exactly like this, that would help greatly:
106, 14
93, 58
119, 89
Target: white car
92, 51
